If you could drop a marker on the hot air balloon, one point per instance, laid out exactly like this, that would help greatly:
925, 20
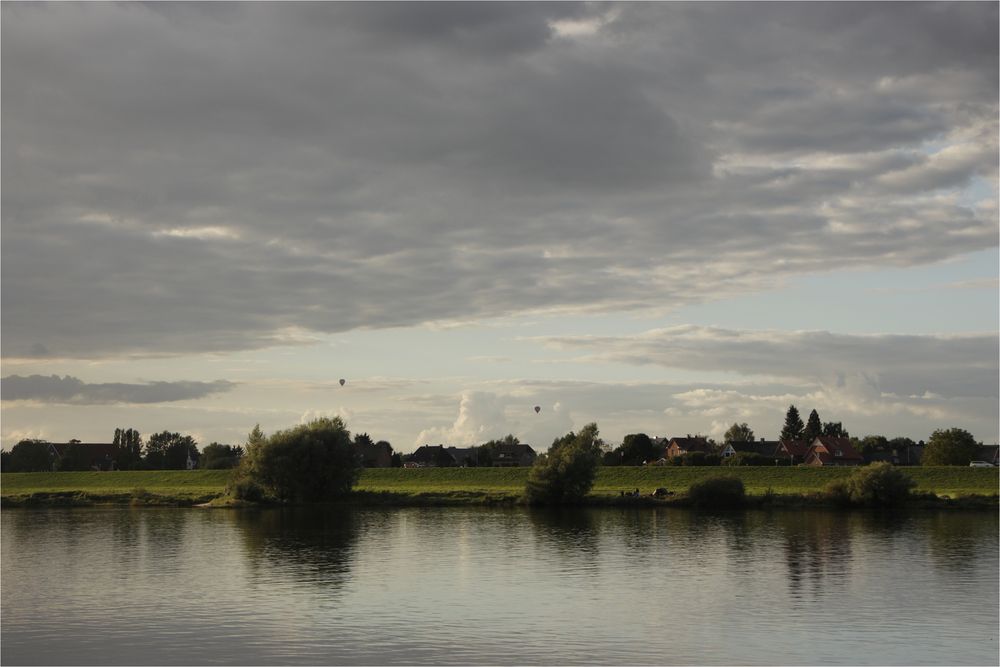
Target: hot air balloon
342, 382
538, 409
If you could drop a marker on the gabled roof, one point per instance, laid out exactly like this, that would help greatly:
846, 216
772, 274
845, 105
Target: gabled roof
93, 449
794, 447
464, 454
689, 444
839, 448
514, 450
428, 453
762, 447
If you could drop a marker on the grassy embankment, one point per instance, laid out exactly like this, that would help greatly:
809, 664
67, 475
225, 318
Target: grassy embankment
462, 485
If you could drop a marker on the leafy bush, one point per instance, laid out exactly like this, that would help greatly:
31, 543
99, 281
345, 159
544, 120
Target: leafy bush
838, 492
565, 473
879, 485
700, 459
309, 463
718, 492
244, 488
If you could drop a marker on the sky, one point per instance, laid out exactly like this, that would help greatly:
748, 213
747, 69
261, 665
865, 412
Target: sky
659, 217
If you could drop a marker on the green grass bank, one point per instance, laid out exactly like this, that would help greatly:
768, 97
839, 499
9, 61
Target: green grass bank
463, 485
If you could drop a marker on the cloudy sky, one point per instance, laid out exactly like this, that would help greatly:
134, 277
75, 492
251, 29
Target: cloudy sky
660, 217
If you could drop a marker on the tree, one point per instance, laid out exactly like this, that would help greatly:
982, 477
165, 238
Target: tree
217, 456
312, 462
5, 462
835, 430
636, 449
794, 427
814, 427
872, 443
738, 433
30, 455
565, 473
397, 460
363, 439
169, 451
128, 449
951, 447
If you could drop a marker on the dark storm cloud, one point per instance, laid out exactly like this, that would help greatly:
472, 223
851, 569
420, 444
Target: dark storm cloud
187, 177
71, 390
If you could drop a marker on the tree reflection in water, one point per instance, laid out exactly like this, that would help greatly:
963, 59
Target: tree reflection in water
310, 545
817, 548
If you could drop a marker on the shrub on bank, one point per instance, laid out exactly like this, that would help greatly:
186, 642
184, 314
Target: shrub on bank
565, 473
879, 485
313, 462
876, 485
718, 492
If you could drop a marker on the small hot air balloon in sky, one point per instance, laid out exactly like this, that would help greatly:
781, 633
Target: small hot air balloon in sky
538, 409
342, 382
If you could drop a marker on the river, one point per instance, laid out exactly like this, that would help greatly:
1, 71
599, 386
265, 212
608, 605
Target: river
496, 586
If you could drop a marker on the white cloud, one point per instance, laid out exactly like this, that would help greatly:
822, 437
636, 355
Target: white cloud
484, 416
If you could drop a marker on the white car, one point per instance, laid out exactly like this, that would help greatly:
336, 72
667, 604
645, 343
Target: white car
980, 464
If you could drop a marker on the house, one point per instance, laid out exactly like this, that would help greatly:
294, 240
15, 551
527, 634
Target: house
795, 450
373, 454
95, 455
510, 456
682, 446
465, 457
432, 456
762, 447
829, 451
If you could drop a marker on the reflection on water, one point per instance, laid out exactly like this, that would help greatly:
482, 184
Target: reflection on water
312, 545
816, 547
497, 586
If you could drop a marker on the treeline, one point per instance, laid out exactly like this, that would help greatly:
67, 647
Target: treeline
161, 451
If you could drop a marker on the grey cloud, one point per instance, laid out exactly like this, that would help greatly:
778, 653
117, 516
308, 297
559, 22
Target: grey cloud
952, 366
71, 390
181, 178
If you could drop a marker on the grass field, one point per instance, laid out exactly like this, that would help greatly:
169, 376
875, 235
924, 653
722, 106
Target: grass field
183, 485
196, 485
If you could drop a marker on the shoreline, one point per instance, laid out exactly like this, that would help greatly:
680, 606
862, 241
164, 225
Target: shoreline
375, 499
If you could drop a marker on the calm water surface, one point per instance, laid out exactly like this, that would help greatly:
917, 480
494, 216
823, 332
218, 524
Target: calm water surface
497, 586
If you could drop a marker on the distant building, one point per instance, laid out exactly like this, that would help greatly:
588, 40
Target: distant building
988, 453
465, 457
510, 456
681, 446
432, 456
795, 450
96, 455
762, 447
373, 455
829, 451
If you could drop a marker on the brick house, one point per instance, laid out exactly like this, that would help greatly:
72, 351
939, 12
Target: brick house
682, 446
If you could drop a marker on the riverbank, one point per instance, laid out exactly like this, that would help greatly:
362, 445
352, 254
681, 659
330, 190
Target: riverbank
785, 486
